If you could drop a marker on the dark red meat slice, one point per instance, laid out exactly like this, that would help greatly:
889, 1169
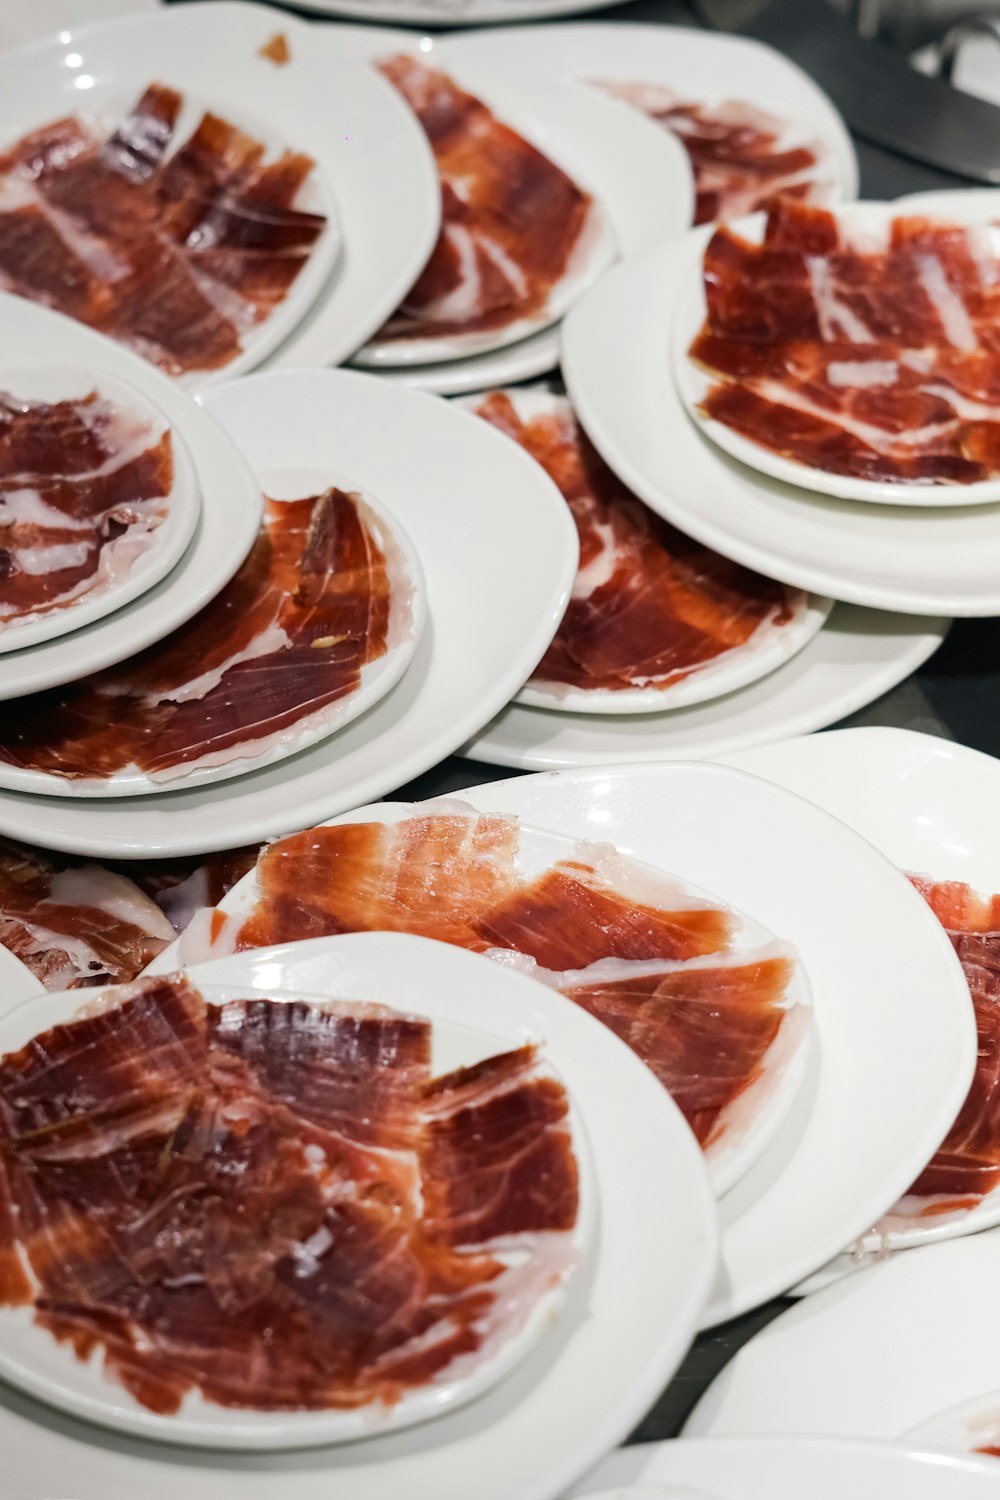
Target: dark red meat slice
507, 209
258, 1200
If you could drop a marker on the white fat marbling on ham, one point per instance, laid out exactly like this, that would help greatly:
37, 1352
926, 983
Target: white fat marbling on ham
876, 437
462, 302
506, 265
37, 561
265, 643
836, 320
860, 375
951, 311
600, 569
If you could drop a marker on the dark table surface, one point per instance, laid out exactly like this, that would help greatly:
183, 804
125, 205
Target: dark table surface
956, 694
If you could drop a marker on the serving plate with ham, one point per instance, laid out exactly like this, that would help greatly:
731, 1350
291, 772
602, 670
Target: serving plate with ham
523, 1435
848, 351
320, 623
99, 500
655, 621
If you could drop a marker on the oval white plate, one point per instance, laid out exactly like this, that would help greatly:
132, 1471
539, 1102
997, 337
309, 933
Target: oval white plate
751, 1122
733, 670
377, 677
778, 1468
969, 1426
707, 67
857, 656
878, 962
351, 122
231, 509
451, 12
168, 542
423, 459
17, 982
623, 1332
694, 384
33, 1360
932, 808
912, 559
871, 1356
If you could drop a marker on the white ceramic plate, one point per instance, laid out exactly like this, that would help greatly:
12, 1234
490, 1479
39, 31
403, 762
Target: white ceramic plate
880, 967
406, 620
857, 656
704, 66
873, 1356
350, 121
423, 459
930, 806
34, 1361
624, 1328
734, 669
231, 508
969, 1426
871, 220
911, 559
166, 544
788, 1468
17, 982
751, 1123
452, 12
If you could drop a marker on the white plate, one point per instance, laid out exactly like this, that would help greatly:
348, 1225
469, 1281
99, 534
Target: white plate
857, 656
911, 559
872, 1356
969, 1426
872, 221
424, 984
748, 1126
452, 12
734, 669
932, 808
623, 1333
866, 1100
167, 543
701, 66
406, 621
212, 51
788, 1468
17, 982
423, 459
641, 193
522, 361
231, 508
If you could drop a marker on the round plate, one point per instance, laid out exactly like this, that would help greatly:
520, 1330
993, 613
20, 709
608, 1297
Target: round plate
34, 1361
231, 509
694, 383
878, 962
872, 1356
930, 806
750, 1123
915, 560
475, 652
970, 1426
857, 656
533, 356
734, 669
407, 612
704, 66
452, 12
788, 1468
167, 543
579, 1392
17, 982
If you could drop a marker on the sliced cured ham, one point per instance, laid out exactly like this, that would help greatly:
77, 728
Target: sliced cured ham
266, 666
84, 488
649, 607
875, 361
175, 252
657, 964
75, 925
512, 221
275, 1203
967, 1166
741, 156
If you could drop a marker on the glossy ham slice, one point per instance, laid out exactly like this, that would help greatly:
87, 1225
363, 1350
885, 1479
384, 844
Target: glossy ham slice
740, 155
274, 1202
84, 487
263, 664
655, 963
75, 924
176, 252
875, 361
649, 606
967, 1166
512, 219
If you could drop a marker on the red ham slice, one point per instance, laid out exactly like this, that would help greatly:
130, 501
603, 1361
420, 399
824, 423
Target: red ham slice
275, 1203
649, 606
